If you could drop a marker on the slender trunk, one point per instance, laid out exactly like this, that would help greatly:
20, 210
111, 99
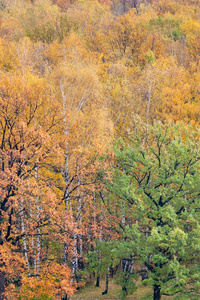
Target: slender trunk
38, 240
107, 280
80, 237
66, 172
126, 277
125, 262
81, 245
156, 292
38, 230
112, 272
75, 252
75, 259
100, 239
80, 221
131, 265
32, 243
98, 280
124, 265
41, 229
66, 197
34, 258
24, 238
144, 272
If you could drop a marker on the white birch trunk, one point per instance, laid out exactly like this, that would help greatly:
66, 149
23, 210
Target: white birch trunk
66, 197
75, 252
131, 266
38, 231
80, 219
38, 237
75, 258
66, 172
24, 238
32, 243
67, 123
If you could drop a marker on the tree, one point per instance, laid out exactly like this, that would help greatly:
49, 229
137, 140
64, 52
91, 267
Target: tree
157, 177
27, 200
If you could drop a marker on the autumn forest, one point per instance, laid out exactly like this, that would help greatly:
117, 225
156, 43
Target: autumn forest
99, 148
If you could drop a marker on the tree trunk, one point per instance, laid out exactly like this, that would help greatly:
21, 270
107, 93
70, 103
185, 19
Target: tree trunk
38, 230
124, 289
67, 199
98, 281
24, 237
107, 279
66, 173
100, 240
75, 259
144, 272
156, 292
80, 237
32, 243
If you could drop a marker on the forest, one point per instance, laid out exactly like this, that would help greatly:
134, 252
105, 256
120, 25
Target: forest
99, 149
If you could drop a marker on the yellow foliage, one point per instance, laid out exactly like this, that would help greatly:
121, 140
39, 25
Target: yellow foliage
54, 280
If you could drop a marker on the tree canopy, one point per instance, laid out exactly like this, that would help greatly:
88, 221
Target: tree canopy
155, 178
99, 150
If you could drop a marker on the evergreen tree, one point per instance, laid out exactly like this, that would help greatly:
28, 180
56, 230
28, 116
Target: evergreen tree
156, 174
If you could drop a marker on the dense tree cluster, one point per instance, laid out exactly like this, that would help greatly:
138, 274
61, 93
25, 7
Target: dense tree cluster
99, 146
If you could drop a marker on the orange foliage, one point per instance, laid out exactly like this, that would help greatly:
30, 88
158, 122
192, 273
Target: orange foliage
74, 75
54, 280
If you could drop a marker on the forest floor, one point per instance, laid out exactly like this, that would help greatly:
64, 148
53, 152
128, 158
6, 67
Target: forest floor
95, 293
143, 293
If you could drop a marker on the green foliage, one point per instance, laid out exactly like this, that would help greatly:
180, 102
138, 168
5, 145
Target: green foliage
158, 176
169, 26
127, 282
93, 260
101, 258
150, 57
